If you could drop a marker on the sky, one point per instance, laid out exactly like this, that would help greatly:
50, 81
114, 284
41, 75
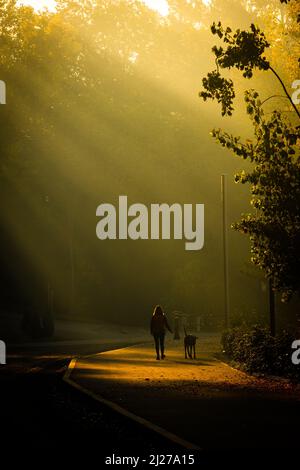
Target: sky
159, 5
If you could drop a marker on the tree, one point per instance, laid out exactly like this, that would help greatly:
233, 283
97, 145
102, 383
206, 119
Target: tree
274, 225
245, 51
39, 60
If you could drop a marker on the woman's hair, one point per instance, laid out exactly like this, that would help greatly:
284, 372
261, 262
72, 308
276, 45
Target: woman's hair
158, 310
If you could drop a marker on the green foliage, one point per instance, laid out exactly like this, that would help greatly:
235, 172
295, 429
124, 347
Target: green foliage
274, 227
220, 89
244, 51
258, 352
88, 88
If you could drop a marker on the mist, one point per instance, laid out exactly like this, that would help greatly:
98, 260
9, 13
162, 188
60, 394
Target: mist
102, 101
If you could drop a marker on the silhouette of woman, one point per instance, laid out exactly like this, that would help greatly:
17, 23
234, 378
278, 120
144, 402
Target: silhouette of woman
158, 326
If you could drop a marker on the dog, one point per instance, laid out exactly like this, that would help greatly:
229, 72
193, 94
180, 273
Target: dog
190, 345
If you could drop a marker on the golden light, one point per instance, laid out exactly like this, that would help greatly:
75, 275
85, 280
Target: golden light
161, 6
39, 5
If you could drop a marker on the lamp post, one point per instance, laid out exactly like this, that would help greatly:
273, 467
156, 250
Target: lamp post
225, 249
2, 92
272, 309
49, 318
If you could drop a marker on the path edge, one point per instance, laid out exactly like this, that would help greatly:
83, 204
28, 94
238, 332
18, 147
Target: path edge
124, 412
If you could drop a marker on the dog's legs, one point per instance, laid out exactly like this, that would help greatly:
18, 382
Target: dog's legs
194, 351
185, 351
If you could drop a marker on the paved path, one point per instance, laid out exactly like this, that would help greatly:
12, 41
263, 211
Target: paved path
203, 401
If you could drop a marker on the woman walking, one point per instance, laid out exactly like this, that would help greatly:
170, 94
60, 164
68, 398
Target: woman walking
158, 326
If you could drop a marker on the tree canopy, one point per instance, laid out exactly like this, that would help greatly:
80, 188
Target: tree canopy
273, 226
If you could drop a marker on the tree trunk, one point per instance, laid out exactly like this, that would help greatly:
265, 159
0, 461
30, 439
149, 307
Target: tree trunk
272, 309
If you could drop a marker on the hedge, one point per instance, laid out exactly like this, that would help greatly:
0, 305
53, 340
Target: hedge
256, 351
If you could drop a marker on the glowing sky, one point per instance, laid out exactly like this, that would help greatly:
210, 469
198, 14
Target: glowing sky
39, 4
161, 6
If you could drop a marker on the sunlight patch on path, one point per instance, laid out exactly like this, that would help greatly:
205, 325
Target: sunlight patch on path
136, 366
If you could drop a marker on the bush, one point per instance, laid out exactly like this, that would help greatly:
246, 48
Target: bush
257, 351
